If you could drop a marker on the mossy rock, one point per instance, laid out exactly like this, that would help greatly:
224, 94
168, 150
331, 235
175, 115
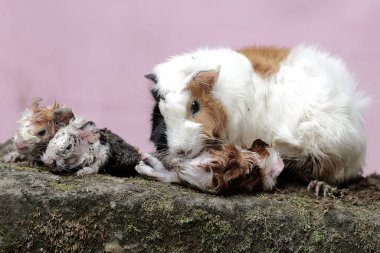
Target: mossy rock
42, 212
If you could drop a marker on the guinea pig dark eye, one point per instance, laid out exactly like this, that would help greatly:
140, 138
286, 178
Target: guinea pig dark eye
69, 147
195, 107
41, 133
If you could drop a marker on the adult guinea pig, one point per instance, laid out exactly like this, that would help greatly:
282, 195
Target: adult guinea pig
83, 148
302, 101
36, 127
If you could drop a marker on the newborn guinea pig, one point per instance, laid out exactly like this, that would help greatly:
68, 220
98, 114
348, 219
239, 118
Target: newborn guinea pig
84, 148
36, 127
222, 169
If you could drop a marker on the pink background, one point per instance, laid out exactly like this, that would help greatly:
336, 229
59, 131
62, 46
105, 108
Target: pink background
92, 55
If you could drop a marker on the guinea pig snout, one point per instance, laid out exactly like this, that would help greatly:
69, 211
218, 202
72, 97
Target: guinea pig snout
21, 144
51, 162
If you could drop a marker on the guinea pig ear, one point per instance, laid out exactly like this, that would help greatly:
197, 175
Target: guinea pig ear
35, 103
258, 146
88, 132
80, 123
155, 94
88, 126
151, 77
62, 116
209, 77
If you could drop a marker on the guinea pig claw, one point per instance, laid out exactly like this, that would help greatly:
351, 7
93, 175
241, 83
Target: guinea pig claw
152, 161
11, 157
143, 169
148, 171
157, 173
319, 188
86, 171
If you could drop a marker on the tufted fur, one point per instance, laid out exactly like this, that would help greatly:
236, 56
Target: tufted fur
308, 107
36, 127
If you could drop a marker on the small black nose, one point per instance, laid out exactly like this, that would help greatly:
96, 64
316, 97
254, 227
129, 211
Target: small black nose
184, 152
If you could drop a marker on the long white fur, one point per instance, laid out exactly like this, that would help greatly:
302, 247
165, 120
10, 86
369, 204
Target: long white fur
310, 107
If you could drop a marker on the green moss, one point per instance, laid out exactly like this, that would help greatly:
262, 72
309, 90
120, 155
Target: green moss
25, 168
132, 229
317, 236
154, 236
300, 202
8, 243
62, 186
186, 220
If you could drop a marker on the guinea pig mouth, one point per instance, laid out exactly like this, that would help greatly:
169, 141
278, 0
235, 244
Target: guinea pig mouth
52, 163
21, 145
193, 152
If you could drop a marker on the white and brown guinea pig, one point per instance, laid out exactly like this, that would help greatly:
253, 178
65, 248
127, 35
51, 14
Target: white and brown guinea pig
36, 127
83, 148
219, 169
302, 101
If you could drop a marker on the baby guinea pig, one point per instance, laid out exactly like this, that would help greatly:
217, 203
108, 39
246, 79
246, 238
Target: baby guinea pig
36, 127
84, 148
76, 147
222, 169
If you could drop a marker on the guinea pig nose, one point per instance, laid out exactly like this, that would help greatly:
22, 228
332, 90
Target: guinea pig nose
184, 152
21, 144
51, 162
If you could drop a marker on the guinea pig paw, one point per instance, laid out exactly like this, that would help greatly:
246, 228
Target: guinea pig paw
152, 161
162, 175
145, 170
86, 171
11, 157
320, 188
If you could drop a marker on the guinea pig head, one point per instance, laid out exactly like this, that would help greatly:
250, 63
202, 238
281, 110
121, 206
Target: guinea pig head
38, 125
66, 150
193, 115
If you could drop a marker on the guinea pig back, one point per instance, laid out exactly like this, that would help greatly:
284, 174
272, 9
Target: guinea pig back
122, 158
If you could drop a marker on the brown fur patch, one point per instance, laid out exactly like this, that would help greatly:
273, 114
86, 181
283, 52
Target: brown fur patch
211, 114
234, 170
312, 168
259, 146
49, 118
265, 60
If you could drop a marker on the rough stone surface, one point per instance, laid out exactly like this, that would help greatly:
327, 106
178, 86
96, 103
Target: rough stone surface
42, 212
